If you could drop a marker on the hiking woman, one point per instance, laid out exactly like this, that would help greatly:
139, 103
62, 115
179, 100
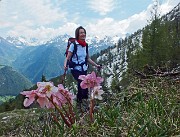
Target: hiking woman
80, 60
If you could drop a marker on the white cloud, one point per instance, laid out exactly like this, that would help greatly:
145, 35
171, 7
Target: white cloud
26, 18
4, 24
68, 28
43, 12
39, 12
130, 25
110, 27
42, 33
42, 20
137, 21
102, 6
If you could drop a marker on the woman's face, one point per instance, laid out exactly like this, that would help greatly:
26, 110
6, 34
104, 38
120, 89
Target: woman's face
82, 35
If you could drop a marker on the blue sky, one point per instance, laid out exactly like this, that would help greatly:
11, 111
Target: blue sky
45, 19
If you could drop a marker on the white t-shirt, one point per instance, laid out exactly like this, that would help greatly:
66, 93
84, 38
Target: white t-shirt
81, 53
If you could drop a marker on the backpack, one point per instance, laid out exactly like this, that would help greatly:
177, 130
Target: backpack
70, 63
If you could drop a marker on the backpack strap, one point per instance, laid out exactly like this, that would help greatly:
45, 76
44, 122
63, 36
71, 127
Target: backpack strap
86, 54
75, 53
75, 50
86, 48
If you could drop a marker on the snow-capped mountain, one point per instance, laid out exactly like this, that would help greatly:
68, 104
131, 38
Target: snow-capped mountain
97, 44
22, 41
61, 39
95, 39
174, 13
115, 60
8, 52
48, 58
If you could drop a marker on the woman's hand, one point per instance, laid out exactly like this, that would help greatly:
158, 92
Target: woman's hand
67, 60
66, 64
99, 67
65, 68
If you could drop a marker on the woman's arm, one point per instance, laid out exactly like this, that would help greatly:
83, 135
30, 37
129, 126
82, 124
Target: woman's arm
67, 59
92, 62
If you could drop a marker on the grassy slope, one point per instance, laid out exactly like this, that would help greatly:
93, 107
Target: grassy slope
146, 108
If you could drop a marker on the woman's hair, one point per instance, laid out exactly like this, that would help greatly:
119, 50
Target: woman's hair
77, 32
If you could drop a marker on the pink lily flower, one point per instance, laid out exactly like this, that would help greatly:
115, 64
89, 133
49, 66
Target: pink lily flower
90, 80
47, 88
44, 102
66, 94
30, 97
47, 95
44, 91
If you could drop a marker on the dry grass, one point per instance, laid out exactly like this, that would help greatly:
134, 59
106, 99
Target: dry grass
146, 108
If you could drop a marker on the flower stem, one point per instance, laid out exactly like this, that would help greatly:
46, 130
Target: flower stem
70, 106
91, 106
91, 109
59, 110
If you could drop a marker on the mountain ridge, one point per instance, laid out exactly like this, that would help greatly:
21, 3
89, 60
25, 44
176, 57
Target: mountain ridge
48, 59
12, 82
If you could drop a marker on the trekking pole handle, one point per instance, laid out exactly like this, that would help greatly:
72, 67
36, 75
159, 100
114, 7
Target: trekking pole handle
99, 67
66, 66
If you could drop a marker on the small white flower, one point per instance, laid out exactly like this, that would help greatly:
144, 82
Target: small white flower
97, 92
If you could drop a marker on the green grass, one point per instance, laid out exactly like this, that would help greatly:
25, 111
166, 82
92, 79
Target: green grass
148, 108
6, 98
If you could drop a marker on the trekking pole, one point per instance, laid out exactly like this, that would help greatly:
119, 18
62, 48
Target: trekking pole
64, 75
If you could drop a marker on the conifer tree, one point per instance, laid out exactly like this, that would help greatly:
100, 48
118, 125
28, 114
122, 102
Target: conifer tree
115, 84
151, 41
43, 78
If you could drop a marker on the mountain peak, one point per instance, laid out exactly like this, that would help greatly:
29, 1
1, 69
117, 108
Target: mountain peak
23, 41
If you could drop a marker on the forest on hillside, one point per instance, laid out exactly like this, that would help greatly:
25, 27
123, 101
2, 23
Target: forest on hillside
157, 46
